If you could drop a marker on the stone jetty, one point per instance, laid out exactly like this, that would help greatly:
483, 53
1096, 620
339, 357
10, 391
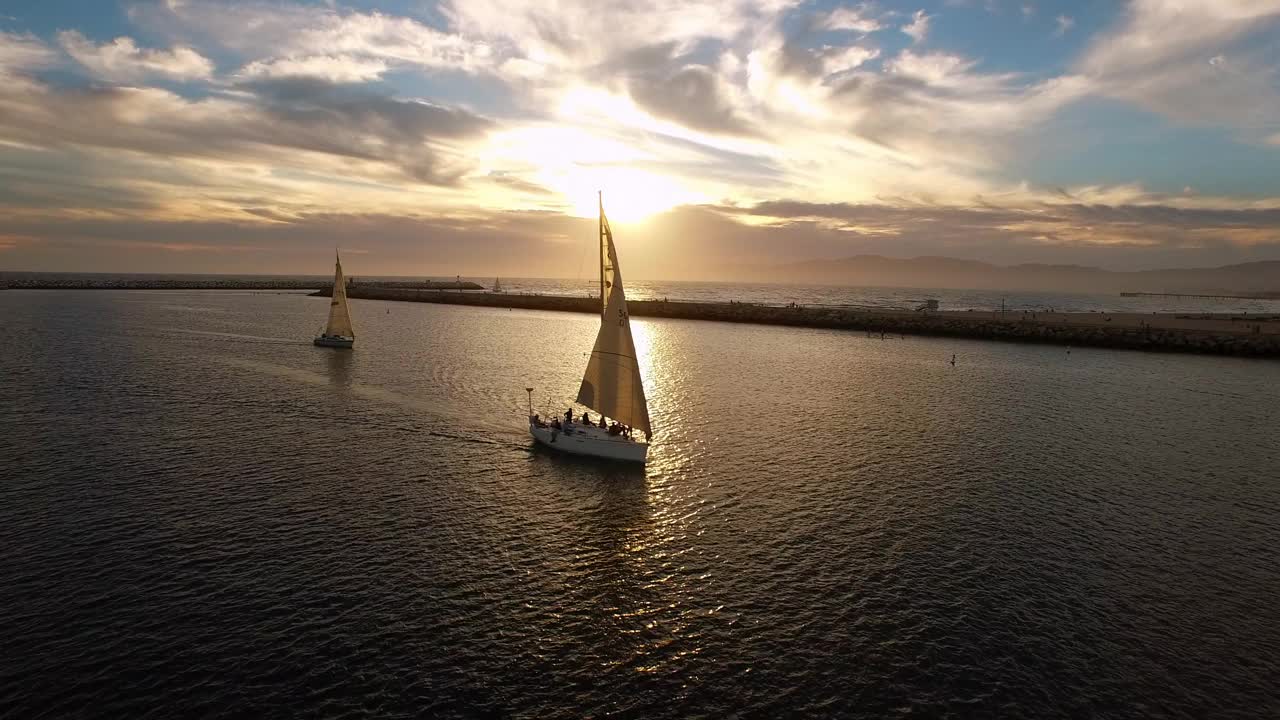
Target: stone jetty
1245, 335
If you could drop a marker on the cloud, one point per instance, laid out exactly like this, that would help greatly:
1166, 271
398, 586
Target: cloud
918, 28
576, 32
21, 52
298, 123
1064, 23
333, 68
1030, 227
121, 60
836, 60
516, 243
1161, 56
693, 96
1141, 229
936, 107
674, 88
333, 122
11, 242
517, 184
851, 18
271, 31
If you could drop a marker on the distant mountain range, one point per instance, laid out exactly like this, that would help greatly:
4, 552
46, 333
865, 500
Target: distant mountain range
943, 272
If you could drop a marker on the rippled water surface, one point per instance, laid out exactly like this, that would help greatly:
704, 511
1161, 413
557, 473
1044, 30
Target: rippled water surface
202, 514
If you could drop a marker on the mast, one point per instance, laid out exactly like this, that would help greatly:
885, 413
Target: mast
600, 243
612, 384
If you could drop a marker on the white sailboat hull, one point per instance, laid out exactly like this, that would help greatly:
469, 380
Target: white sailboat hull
577, 439
335, 342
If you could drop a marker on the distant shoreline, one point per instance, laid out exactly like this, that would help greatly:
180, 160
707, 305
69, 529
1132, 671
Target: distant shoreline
1217, 334
115, 282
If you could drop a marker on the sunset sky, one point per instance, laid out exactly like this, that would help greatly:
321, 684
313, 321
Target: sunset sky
470, 136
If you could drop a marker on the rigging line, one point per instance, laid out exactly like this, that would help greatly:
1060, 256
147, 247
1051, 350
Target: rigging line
624, 367
606, 352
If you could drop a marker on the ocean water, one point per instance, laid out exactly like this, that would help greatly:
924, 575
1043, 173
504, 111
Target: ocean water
201, 514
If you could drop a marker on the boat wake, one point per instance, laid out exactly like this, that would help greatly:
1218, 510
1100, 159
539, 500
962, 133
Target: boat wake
468, 429
481, 440
195, 309
238, 336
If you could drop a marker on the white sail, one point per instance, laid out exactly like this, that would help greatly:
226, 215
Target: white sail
612, 385
339, 316
497, 285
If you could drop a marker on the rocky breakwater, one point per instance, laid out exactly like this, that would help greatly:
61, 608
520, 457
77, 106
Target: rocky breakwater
1224, 335
457, 297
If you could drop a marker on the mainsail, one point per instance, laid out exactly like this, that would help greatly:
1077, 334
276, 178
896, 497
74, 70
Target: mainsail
339, 316
612, 384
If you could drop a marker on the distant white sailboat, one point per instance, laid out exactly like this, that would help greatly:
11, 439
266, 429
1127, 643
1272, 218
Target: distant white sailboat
497, 285
338, 333
611, 385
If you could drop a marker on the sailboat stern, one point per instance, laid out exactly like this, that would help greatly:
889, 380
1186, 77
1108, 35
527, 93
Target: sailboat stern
335, 342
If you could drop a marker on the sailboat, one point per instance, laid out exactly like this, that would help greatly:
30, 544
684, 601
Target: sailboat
338, 333
497, 285
611, 385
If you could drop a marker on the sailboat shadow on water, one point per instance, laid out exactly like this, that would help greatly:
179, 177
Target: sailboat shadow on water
611, 385
622, 467
338, 367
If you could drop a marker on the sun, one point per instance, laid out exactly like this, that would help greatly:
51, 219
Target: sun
630, 195
575, 163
